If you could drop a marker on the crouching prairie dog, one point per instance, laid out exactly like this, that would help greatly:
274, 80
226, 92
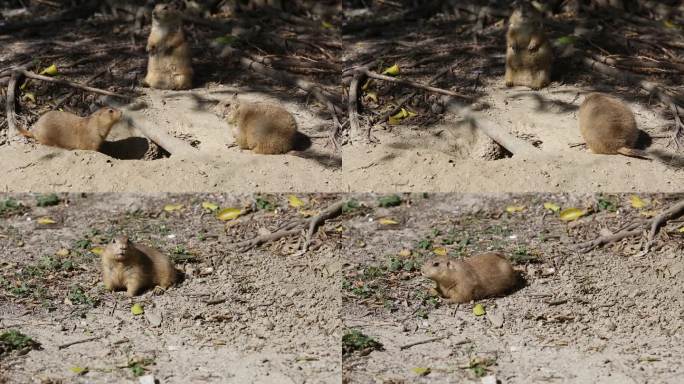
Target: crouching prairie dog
69, 131
169, 65
608, 126
261, 127
528, 52
477, 277
135, 267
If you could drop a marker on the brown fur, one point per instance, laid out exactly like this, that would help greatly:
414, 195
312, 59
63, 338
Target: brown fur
478, 277
528, 53
608, 126
135, 267
69, 131
169, 65
263, 128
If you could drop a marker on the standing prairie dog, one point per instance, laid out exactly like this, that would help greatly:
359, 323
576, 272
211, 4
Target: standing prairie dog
477, 277
69, 131
135, 267
528, 52
263, 128
608, 126
169, 65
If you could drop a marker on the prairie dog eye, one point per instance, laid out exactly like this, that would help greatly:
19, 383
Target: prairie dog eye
435, 264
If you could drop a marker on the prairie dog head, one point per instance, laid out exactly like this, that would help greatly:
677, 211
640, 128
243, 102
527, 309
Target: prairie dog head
118, 248
228, 109
166, 14
437, 266
524, 13
106, 118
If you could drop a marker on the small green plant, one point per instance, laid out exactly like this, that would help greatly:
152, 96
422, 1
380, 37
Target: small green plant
399, 264
354, 340
181, 255
47, 200
479, 365
350, 205
14, 340
138, 366
263, 204
10, 207
607, 203
77, 296
425, 244
522, 256
389, 201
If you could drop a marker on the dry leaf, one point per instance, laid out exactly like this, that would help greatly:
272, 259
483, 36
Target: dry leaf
173, 207
405, 253
392, 71
440, 251
79, 370
97, 250
209, 206
326, 25
552, 207
421, 371
137, 309
295, 201
571, 214
478, 310
228, 214
62, 252
46, 221
372, 96
51, 70
637, 202
514, 208
386, 221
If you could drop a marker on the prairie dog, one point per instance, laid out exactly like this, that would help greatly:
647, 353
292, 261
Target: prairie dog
485, 275
135, 267
608, 126
264, 128
69, 131
169, 65
528, 52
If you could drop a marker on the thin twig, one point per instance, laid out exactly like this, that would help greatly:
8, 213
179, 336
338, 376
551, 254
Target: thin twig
589, 245
330, 212
413, 84
353, 107
431, 340
672, 213
10, 105
36, 76
69, 344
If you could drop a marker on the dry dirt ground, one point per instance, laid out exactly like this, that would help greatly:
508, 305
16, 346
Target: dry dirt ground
605, 316
274, 316
434, 151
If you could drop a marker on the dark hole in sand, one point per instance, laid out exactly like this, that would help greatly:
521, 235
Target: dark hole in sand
133, 148
302, 142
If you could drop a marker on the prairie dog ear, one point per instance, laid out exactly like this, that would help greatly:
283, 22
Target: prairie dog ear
449, 263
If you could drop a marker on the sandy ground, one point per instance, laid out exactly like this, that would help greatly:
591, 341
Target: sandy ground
275, 318
218, 166
606, 316
448, 156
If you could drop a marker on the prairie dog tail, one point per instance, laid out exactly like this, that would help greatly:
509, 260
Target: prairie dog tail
632, 152
25, 132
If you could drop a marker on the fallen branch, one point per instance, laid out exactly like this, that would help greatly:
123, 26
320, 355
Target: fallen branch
10, 105
637, 229
88, 81
65, 345
69, 83
313, 223
431, 340
353, 107
511, 143
330, 212
413, 84
171, 144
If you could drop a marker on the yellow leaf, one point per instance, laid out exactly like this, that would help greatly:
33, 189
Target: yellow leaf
366, 84
421, 371
514, 208
386, 221
648, 213
29, 96
670, 24
440, 251
228, 214
46, 221
326, 25
209, 206
571, 214
51, 70
405, 253
478, 310
97, 250
681, 230
295, 202
637, 202
552, 207
172, 207
62, 252
392, 71
372, 96
393, 121
79, 370
137, 309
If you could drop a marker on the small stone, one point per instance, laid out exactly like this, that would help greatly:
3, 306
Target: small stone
496, 318
490, 379
154, 318
147, 379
